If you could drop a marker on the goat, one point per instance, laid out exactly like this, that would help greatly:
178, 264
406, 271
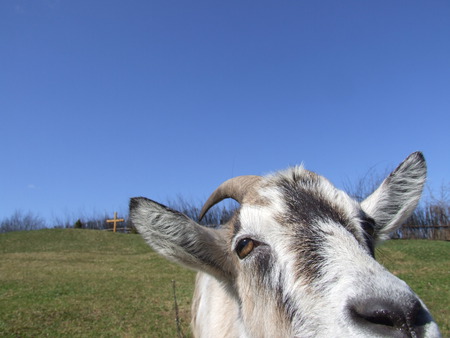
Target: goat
296, 259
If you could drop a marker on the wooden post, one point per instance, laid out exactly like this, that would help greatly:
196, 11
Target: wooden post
115, 221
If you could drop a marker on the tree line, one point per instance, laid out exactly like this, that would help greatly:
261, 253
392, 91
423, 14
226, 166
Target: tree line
430, 220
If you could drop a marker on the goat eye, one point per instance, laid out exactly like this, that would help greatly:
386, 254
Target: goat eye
244, 247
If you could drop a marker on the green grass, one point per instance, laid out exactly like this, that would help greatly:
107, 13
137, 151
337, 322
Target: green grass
93, 283
88, 283
425, 266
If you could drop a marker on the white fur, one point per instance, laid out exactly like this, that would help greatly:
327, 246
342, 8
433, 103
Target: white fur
233, 299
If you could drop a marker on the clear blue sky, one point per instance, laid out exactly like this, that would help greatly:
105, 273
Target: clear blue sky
104, 100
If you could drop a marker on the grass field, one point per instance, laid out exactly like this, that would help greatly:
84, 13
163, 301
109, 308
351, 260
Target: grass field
93, 283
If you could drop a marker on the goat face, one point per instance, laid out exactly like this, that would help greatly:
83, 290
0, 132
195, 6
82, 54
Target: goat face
297, 258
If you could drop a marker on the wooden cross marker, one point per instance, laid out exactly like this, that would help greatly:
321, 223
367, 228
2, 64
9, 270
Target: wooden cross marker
115, 221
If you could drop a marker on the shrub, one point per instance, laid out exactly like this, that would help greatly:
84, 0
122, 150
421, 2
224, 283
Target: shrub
78, 225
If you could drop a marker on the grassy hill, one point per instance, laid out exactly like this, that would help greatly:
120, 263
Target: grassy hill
83, 282
94, 283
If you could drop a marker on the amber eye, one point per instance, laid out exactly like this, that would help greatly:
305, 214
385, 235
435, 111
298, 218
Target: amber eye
244, 247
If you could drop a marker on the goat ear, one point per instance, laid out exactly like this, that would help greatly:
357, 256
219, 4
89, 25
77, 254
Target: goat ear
180, 239
396, 198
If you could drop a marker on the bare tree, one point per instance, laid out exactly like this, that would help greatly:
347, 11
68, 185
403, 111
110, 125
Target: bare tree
217, 215
366, 185
430, 220
20, 221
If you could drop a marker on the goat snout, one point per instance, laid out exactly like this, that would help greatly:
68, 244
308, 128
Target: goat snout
385, 318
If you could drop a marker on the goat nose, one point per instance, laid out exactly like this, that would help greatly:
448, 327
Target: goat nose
386, 318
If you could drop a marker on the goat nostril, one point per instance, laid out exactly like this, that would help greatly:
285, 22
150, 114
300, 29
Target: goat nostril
384, 317
375, 314
380, 317
417, 315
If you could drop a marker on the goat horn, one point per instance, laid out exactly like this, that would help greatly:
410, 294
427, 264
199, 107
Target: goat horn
235, 188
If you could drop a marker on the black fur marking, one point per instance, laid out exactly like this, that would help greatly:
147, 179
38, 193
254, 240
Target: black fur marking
134, 203
308, 247
285, 302
264, 264
236, 222
368, 225
305, 208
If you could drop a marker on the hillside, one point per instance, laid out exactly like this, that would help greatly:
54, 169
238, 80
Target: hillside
78, 282
85, 282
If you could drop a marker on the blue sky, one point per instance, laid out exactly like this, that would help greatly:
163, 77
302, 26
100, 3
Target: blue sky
104, 100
